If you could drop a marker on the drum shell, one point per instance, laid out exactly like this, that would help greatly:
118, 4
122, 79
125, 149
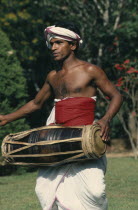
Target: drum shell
36, 153
51, 145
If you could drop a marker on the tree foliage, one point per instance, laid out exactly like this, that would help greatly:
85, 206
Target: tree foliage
109, 29
128, 83
13, 90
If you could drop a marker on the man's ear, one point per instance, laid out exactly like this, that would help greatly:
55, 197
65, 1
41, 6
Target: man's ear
73, 45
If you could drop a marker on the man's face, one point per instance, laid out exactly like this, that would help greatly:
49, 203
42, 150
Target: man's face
61, 49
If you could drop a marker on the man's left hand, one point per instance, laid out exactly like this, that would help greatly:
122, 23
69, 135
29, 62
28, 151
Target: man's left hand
105, 127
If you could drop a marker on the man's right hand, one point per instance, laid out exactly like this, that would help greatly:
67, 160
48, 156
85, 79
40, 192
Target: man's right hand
3, 120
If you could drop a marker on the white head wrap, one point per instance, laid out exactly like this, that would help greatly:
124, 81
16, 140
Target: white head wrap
61, 33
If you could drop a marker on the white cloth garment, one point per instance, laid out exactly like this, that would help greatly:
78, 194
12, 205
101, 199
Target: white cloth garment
74, 186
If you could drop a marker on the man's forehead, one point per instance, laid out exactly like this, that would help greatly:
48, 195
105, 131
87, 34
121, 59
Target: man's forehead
57, 39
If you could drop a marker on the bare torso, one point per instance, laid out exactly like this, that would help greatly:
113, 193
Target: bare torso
75, 79
73, 82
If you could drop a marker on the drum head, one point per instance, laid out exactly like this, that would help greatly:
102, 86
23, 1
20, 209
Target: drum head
99, 144
92, 144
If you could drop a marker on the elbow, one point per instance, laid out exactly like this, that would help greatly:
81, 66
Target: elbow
36, 105
118, 97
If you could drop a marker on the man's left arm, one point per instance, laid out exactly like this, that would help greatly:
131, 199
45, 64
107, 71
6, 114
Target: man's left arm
108, 89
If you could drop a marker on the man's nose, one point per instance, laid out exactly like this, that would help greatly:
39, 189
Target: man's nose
54, 47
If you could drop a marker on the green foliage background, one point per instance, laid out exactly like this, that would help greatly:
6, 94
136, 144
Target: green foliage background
109, 30
13, 90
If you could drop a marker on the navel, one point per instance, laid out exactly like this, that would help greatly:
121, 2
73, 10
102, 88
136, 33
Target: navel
77, 90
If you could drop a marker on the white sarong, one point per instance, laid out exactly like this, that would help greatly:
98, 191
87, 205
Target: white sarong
74, 186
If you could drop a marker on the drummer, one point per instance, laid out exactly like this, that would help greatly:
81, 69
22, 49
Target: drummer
75, 186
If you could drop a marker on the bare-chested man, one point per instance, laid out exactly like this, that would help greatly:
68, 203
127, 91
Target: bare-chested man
75, 186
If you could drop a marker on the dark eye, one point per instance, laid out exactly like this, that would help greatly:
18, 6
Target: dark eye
59, 42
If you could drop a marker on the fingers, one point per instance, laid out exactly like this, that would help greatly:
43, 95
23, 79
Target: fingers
104, 130
105, 136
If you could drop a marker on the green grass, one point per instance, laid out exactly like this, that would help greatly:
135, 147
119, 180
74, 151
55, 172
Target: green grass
17, 192
122, 183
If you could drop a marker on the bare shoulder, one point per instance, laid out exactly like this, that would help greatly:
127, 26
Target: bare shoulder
93, 70
100, 79
50, 75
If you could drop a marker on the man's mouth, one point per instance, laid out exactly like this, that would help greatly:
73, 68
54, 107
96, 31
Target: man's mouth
55, 54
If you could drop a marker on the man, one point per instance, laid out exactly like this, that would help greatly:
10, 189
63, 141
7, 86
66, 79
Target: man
75, 186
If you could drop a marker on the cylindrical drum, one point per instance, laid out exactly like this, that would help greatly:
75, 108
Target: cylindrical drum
51, 145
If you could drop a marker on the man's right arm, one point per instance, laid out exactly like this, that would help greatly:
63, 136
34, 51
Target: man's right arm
29, 107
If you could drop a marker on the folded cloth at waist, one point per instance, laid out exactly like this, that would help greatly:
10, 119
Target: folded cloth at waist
75, 111
52, 118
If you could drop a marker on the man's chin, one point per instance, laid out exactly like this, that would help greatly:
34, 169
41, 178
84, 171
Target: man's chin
57, 58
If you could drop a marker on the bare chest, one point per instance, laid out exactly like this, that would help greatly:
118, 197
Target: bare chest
70, 84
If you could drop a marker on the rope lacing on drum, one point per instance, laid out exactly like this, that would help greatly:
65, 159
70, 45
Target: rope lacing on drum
89, 141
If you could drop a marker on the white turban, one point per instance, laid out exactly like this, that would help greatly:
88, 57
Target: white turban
61, 33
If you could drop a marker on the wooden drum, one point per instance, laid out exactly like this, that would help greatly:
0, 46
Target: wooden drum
53, 145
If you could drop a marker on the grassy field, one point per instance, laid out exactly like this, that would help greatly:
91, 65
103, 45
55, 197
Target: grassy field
122, 184
17, 192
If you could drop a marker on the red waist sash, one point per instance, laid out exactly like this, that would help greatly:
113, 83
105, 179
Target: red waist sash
75, 111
